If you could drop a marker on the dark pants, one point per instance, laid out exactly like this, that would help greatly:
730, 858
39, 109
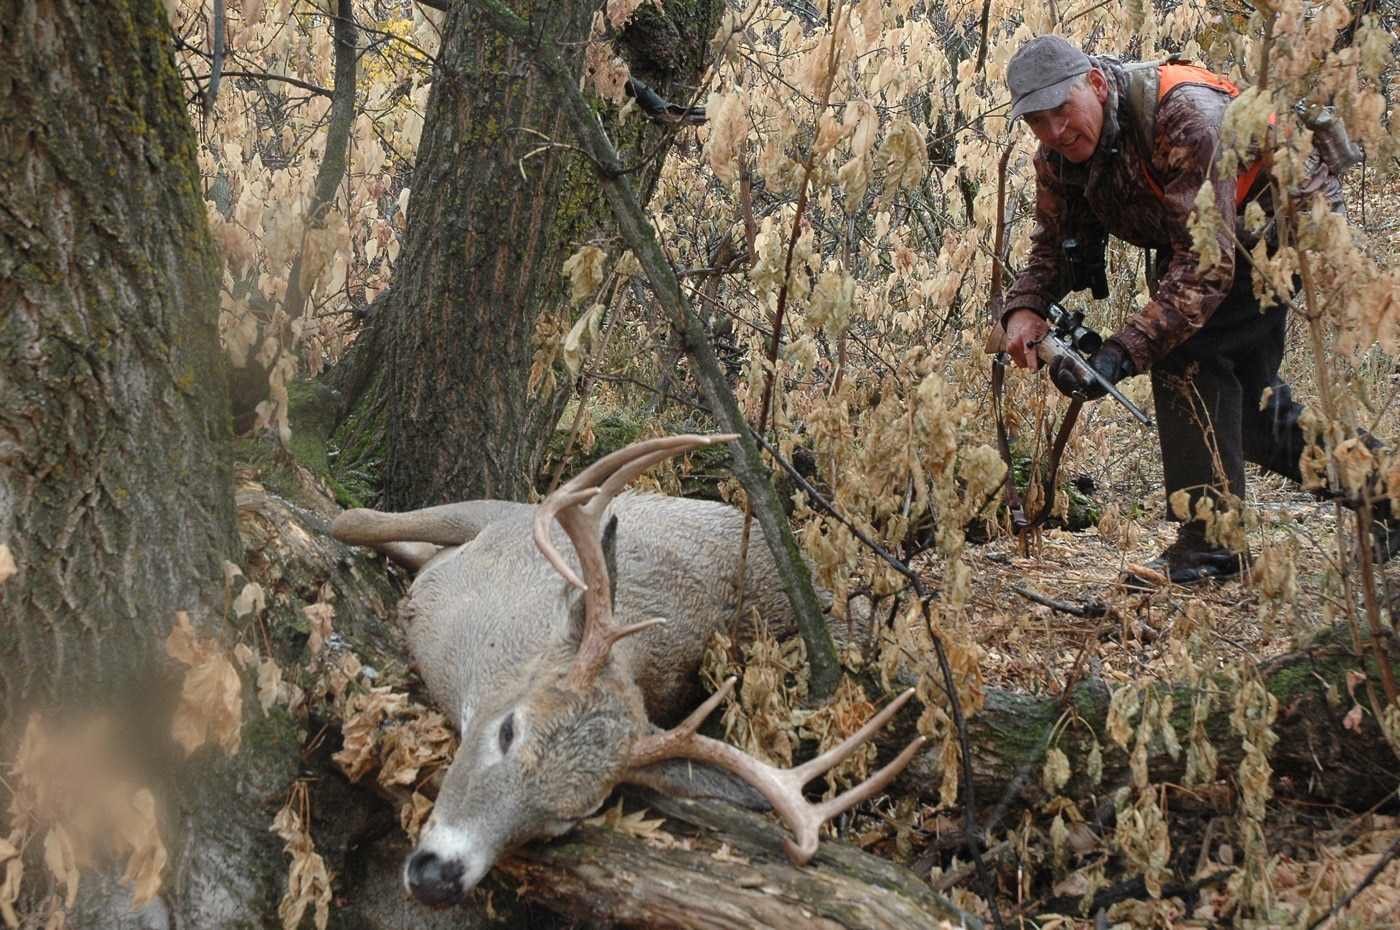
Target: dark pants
1207, 393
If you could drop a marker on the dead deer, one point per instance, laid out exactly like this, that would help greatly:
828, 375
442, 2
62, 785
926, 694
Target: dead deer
557, 687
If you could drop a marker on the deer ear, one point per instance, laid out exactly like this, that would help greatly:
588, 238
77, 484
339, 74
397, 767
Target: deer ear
577, 613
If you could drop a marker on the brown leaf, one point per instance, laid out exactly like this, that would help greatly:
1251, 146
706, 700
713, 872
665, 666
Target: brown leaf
308, 881
148, 856
58, 856
211, 696
9, 891
318, 617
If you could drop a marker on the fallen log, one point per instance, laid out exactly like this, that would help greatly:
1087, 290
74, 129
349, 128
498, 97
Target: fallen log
1317, 756
727, 870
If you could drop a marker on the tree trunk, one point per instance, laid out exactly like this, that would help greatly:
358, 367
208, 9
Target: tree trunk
499, 202
115, 481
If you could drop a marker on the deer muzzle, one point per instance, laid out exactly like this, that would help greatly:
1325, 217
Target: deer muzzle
434, 880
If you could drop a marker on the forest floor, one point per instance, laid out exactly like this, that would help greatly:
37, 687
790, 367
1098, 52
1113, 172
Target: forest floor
1056, 615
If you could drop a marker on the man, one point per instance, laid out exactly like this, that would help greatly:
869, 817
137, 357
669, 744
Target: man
1211, 350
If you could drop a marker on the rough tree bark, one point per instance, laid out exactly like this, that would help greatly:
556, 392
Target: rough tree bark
496, 208
115, 480
110, 365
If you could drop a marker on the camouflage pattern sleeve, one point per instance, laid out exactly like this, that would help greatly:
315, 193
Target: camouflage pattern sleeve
1189, 291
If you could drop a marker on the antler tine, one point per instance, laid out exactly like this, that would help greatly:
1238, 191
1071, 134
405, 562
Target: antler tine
578, 505
561, 501
614, 472
781, 787
598, 484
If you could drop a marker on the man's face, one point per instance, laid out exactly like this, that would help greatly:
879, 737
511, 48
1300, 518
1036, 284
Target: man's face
1073, 127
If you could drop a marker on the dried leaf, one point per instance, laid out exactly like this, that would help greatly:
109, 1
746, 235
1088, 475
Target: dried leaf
318, 618
308, 881
358, 753
576, 343
211, 695
58, 856
1056, 772
141, 831
269, 683
9, 891
633, 824
584, 270
8, 568
252, 599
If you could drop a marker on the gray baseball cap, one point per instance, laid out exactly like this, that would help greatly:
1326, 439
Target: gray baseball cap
1042, 72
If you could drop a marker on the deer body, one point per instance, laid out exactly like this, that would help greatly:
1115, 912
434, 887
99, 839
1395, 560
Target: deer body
678, 559
557, 683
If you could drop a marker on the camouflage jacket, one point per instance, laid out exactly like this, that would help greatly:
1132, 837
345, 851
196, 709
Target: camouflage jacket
1109, 194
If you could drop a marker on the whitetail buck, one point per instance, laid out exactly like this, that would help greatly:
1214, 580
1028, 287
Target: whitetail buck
556, 682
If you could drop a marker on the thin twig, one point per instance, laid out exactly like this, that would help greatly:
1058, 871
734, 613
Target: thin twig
1090, 611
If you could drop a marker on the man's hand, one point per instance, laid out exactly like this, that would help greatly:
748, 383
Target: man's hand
1025, 328
1111, 362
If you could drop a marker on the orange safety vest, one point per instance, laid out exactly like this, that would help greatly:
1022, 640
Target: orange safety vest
1148, 83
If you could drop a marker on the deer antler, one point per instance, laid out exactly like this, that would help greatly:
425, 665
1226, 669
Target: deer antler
578, 505
782, 787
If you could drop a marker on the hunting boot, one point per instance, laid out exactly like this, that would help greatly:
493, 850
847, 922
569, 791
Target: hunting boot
1191, 560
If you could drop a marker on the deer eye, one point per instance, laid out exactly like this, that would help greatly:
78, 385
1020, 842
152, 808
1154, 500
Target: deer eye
507, 733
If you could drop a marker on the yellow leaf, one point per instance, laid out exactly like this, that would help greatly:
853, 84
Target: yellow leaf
58, 856
585, 272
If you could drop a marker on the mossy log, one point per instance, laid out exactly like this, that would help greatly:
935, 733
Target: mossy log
725, 869
1316, 757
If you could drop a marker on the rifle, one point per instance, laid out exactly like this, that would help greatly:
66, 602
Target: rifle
1069, 338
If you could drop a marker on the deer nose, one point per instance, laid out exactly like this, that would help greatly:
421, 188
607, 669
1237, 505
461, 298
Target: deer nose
433, 880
